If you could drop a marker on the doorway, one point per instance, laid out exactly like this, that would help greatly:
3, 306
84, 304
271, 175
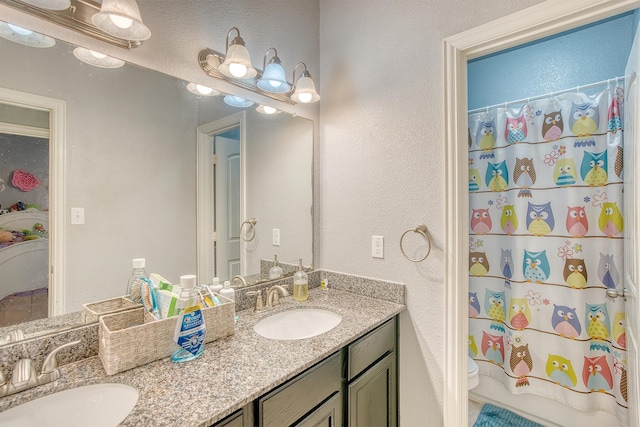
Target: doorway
53, 258
531, 24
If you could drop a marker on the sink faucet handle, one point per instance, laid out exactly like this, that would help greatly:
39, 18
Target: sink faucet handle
51, 362
24, 375
259, 303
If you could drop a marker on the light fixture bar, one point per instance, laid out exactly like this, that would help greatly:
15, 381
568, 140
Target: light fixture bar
76, 18
210, 61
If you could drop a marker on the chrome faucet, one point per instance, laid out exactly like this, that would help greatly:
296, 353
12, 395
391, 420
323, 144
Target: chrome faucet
24, 373
274, 293
239, 277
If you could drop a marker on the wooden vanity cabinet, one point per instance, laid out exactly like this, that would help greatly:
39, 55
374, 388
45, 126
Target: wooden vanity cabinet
354, 387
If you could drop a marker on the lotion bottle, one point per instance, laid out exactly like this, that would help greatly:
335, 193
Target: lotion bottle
216, 287
300, 284
228, 291
276, 270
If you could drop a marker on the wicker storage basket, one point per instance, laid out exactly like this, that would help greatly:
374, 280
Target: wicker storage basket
92, 311
133, 338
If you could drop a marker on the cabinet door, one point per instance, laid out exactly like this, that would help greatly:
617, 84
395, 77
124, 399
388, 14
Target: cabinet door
234, 420
329, 414
372, 397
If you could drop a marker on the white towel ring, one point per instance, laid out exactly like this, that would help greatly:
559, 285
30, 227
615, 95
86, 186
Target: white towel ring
252, 224
421, 229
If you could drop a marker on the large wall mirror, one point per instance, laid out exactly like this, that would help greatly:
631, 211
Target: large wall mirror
131, 144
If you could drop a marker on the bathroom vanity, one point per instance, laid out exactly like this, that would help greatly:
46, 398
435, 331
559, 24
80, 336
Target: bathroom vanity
341, 376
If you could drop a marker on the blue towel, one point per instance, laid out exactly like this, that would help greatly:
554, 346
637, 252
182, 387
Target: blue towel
492, 416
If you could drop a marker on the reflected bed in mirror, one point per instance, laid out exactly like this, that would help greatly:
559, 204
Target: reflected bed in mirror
131, 163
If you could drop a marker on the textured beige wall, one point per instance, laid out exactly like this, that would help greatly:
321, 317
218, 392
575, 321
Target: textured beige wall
382, 161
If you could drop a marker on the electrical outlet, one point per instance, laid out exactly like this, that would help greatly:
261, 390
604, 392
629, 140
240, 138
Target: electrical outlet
377, 246
77, 216
276, 237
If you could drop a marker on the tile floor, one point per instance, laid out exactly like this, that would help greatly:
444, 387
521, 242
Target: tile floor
474, 410
24, 306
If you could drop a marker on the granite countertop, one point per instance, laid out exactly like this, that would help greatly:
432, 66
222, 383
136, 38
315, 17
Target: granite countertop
233, 371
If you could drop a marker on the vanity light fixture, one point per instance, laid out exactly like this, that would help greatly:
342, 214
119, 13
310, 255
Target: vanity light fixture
236, 101
305, 89
121, 18
273, 78
24, 36
201, 90
237, 63
265, 109
50, 4
97, 59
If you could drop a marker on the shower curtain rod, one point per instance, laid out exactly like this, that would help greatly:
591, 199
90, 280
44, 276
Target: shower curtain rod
534, 98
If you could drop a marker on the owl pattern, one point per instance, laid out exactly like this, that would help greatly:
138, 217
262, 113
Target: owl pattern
515, 130
596, 374
577, 222
552, 126
540, 219
521, 364
535, 266
575, 322
481, 221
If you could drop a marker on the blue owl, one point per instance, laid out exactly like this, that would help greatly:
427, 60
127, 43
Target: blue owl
597, 321
535, 266
506, 263
494, 305
584, 118
565, 321
594, 170
497, 176
540, 221
486, 135
474, 304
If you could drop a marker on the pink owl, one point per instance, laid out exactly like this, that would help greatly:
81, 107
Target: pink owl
515, 130
480, 221
577, 223
596, 374
493, 348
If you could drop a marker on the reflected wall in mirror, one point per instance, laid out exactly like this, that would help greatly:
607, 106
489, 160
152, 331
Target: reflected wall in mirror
130, 163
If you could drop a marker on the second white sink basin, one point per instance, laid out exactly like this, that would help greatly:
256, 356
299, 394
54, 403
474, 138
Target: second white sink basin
98, 405
297, 324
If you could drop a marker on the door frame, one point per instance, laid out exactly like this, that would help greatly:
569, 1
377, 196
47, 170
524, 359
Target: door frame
57, 187
536, 22
204, 192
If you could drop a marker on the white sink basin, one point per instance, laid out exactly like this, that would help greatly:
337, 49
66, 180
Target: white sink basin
297, 324
99, 405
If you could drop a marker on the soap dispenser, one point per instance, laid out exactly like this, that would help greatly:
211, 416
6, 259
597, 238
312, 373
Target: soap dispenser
275, 271
300, 284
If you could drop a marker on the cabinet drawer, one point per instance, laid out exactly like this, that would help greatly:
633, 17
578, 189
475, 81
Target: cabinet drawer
371, 347
289, 402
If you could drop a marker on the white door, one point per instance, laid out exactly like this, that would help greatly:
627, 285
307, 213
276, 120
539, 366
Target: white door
227, 207
631, 252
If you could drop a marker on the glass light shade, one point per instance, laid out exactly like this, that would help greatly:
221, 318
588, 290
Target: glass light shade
273, 79
202, 90
237, 63
265, 109
121, 18
50, 4
236, 101
24, 36
97, 59
305, 91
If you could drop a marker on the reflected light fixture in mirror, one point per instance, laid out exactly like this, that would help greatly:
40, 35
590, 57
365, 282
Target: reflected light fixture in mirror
238, 102
24, 36
121, 18
265, 109
50, 4
305, 89
97, 59
237, 63
202, 90
273, 78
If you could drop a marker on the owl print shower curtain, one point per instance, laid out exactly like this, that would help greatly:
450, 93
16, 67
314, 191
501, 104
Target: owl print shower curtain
545, 203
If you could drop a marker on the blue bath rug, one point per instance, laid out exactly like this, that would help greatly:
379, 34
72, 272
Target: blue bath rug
492, 416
